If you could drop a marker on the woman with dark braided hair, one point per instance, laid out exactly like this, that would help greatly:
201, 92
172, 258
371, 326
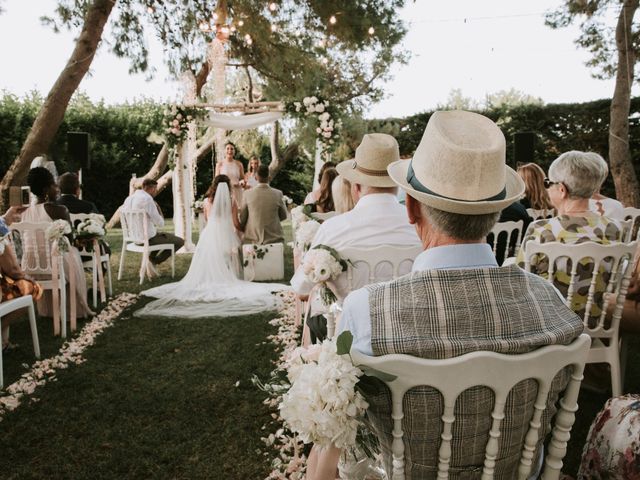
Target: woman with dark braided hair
44, 187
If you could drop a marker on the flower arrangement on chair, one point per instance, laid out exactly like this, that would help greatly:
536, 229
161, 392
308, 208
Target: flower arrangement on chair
322, 264
90, 229
56, 233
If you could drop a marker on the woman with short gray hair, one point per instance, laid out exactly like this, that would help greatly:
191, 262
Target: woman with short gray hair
574, 177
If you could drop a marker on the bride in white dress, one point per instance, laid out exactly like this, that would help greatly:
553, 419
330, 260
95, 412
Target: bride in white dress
211, 287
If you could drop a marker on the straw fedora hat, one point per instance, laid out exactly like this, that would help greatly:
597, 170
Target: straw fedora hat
459, 166
373, 156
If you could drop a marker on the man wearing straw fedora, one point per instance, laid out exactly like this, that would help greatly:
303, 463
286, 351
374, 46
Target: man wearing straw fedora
457, 300
377, 218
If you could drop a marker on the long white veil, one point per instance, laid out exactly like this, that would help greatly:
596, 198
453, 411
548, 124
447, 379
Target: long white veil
211, 287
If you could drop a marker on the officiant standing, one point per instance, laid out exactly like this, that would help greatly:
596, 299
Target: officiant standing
262, 212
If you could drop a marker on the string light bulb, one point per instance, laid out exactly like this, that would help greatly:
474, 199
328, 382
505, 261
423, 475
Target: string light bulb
273, 7
371, 31
321, 43
325, 60
233, 28
150, 9
274, 28
247, 38
241, 23
333, 20
214, 16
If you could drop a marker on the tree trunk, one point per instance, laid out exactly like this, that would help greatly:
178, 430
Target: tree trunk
50, 116
278, 159
624, 177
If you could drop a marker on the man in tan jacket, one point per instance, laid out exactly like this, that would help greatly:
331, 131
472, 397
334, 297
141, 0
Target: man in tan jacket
262, 212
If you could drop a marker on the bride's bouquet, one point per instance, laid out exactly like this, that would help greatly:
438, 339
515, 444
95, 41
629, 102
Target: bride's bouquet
323, 404
56, 233
322, 264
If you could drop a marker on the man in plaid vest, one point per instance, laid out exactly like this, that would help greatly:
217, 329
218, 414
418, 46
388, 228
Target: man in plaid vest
457, 300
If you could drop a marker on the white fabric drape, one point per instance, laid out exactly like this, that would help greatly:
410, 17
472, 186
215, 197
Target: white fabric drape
241, 122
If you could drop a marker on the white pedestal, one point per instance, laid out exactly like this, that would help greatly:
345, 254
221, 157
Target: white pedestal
269, 267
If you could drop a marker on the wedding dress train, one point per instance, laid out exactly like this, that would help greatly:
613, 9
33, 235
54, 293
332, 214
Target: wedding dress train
211, 287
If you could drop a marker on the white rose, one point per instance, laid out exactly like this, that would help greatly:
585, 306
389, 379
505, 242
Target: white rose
320, 108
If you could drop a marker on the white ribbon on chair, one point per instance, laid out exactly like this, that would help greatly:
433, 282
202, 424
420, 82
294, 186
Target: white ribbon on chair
98, 265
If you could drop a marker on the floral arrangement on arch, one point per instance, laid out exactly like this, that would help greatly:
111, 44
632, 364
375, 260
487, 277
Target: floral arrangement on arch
176, 123
328, 126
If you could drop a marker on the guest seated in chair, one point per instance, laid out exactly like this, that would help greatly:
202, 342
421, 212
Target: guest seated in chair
325, 201
44, 187
262, 212
69, 191
574, 177
312, 197
457, 300
13, 281
142, 199
377, 218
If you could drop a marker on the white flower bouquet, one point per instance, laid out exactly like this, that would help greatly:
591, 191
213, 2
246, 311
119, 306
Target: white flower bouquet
320, 265
305, 233
299, 215
323, 405
287, 200
56, 233
198, 206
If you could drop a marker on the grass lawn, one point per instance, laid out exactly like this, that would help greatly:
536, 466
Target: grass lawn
157, 397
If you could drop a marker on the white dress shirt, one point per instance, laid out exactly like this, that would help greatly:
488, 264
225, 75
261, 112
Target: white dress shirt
355, 311
377, 219
141, 200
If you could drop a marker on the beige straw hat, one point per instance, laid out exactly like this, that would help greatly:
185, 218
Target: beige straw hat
373, 156
459, 166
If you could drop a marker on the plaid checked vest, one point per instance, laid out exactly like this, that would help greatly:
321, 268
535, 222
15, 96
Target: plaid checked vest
447, 313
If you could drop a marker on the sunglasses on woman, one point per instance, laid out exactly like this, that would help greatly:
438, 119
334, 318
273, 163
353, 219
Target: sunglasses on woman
547, 183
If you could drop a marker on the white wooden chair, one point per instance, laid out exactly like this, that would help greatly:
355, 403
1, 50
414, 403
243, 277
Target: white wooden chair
95, 264
500, 373
617, 259
633, 214
506, 231
42, 260
537, 214
135, 238
371, 265
12, 305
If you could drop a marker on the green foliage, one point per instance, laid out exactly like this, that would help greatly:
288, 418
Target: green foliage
559, 128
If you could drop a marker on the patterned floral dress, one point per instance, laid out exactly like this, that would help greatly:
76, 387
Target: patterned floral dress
612, 451
574, 230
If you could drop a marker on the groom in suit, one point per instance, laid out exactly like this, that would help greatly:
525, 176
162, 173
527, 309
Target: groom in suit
70, 189
262, 212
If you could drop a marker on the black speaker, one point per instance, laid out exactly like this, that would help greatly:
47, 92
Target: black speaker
524, 147
78, 150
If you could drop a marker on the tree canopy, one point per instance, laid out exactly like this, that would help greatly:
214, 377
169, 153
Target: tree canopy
340, 50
